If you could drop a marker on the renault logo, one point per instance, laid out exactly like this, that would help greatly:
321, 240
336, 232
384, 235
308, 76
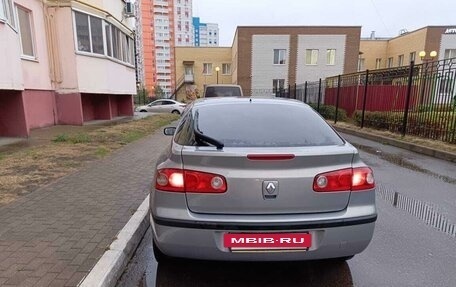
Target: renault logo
270, 189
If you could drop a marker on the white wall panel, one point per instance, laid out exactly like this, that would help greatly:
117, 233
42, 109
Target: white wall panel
263, 68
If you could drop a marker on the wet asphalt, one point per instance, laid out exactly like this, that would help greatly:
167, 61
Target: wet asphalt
414, 242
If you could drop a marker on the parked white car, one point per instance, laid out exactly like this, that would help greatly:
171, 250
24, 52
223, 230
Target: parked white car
163, 106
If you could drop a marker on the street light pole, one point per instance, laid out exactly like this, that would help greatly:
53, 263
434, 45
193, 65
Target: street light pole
217, 69
425, 66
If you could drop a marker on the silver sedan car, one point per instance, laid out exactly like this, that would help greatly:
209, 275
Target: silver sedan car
163, 106
250, 179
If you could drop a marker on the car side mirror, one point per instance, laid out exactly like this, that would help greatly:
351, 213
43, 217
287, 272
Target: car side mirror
169, 131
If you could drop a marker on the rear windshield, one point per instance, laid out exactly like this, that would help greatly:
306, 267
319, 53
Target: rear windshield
265, 125
222, 92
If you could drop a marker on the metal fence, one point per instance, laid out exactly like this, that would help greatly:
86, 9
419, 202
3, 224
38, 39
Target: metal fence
416, 100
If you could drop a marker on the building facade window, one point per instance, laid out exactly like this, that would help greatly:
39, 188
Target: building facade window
412, 56
96, 29
109, 41
278, 84
108, 33
24, 18
311, 57
330, 56
361, 64
82, 32
280, 56
450, 53
378, 63
390, 62
6, 12
207, 68
400, 61
226, 69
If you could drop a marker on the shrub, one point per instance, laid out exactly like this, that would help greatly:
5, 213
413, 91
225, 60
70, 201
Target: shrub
434, 125
329, 112
60, 138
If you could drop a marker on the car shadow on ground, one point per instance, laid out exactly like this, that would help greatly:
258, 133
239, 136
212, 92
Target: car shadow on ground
204, 273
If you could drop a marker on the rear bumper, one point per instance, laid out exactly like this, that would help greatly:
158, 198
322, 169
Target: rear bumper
178, 232
205, 240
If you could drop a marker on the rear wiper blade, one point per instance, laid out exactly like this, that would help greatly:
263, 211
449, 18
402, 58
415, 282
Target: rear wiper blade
200, 136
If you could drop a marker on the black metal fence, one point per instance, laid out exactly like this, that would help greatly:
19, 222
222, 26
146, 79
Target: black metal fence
416, 100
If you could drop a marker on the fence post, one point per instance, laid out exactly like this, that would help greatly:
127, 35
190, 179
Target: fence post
289, 91
407, 100
337, 99
295, 93
319, 95
366, 83
305, 92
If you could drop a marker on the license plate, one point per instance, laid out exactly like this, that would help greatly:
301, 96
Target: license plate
267, 240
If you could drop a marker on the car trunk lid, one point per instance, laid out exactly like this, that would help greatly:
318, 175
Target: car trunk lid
268, 180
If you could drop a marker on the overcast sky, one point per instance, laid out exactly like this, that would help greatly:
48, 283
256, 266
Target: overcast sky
385, 17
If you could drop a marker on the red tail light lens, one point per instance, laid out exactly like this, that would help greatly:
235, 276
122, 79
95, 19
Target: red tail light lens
178, 180
350, 179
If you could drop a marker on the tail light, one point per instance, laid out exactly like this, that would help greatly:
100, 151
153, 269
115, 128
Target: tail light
180, 180
350, 179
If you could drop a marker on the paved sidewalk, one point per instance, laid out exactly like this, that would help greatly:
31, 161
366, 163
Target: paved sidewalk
55, 235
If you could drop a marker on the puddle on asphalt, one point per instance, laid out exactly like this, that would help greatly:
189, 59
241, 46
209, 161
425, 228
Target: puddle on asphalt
400, 161
422, 210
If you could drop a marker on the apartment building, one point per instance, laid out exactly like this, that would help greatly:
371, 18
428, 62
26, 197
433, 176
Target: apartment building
264, 59
205, 34
183, 23
378, 53
164, 25
269, 58
200, 66
64, 62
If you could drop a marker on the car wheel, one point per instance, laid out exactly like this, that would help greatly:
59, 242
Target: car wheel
160, 257
343, 259
176, 112
143, 111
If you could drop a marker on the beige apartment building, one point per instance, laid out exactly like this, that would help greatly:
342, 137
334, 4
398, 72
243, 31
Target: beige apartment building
200, 66
379, 53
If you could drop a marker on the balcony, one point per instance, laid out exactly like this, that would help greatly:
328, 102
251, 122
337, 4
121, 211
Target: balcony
189, 79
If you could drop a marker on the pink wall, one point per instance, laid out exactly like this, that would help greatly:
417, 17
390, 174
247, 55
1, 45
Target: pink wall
13, 122
40, 108
69, 109
125, 105
102, 105
96, 107
88, 109
114, 106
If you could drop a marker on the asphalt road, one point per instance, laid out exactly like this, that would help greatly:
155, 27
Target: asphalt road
414, 242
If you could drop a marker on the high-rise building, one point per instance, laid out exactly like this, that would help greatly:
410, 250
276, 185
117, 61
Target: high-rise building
205, 34
183, 22
163, 25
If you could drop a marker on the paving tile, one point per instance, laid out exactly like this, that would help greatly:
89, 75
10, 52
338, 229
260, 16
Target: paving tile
55, 235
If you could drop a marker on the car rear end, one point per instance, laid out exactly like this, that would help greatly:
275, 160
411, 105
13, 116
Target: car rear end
260, 180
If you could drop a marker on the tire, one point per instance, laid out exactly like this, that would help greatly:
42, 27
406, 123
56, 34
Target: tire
175, 112
160, 257
143, 111
343, 259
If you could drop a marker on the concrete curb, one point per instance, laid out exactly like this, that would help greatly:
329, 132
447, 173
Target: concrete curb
448, 156
113, 262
